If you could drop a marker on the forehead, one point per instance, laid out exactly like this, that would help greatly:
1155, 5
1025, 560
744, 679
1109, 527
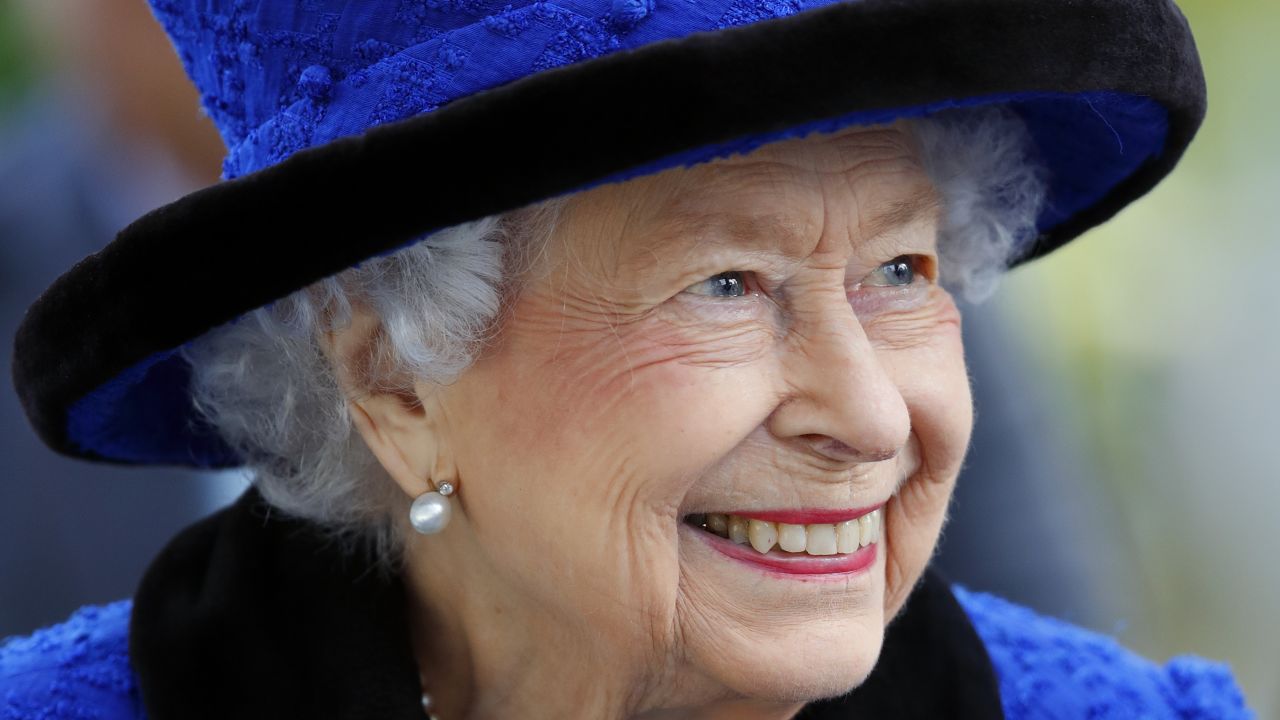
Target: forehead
779, 197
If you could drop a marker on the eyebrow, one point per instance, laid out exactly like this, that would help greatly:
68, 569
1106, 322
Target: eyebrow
779, 230
901, 213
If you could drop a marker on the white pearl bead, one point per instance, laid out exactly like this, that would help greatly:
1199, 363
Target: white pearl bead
429, 513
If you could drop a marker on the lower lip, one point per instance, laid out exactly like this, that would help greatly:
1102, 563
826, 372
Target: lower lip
777, 561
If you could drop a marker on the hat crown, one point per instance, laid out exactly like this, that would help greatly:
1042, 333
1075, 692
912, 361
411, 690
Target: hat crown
278, 76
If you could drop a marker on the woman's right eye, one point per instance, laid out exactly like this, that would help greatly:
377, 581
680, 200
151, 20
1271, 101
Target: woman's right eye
729, 284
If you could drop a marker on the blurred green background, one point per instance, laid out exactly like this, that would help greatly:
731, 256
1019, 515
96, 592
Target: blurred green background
1157, 333
1156, 336
17, 66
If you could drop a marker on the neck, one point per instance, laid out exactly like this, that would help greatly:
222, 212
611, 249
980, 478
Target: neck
490, 660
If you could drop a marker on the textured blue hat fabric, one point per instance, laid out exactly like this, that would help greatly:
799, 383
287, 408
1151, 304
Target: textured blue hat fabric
277, 77
280, 76
340, 117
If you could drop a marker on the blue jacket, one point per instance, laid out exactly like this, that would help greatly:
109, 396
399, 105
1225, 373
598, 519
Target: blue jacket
213, 596
1046, 668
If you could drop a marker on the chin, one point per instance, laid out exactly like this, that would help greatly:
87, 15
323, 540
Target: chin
818, 660
779, 637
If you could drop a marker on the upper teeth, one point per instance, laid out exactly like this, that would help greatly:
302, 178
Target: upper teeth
813, 539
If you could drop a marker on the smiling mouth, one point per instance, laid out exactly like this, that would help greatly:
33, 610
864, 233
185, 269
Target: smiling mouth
846, 533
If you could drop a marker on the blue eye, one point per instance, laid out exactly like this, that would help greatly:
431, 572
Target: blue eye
727, 284
898, 272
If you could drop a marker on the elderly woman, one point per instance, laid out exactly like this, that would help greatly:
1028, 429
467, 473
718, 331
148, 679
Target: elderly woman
595, 360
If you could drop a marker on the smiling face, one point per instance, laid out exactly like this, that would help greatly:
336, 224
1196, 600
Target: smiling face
760, 336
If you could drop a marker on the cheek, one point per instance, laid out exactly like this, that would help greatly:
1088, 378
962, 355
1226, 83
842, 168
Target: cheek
935, 386
647, 389
586, 442
922, 351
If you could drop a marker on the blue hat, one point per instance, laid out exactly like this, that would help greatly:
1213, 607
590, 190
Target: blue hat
354, 128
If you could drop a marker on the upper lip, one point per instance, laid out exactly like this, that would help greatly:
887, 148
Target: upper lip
806, 516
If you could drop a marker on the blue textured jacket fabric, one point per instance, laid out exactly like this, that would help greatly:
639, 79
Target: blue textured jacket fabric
1047, 669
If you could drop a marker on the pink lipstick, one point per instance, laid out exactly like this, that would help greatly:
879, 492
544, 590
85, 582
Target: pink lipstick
780, 561
822, 541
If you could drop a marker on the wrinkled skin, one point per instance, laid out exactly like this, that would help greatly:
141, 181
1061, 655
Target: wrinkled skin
619, 397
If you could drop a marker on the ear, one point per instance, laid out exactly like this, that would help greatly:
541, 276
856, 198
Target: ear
398, 425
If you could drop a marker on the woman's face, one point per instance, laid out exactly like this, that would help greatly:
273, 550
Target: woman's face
760, 334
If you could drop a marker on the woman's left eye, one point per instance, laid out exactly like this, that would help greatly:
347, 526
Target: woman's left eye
898, 272
729, 284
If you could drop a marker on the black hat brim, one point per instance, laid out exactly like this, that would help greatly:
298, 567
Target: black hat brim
96, 366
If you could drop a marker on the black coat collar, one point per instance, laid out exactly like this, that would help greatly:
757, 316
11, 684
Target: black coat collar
250, 615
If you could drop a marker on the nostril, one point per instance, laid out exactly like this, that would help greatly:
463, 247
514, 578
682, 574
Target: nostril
880, 455
837, 447
840, 451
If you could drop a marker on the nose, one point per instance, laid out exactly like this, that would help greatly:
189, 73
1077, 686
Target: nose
841, 403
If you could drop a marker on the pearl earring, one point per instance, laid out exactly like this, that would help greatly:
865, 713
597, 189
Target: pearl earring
430, 511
